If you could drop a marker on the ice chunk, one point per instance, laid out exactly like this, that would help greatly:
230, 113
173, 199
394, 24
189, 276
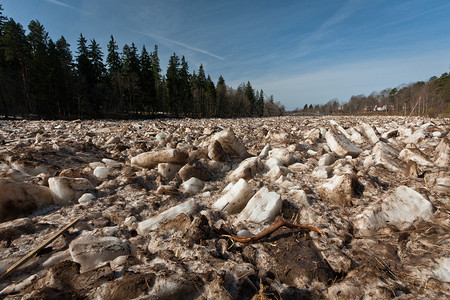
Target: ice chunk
111, 163
192, 186
101, 172
340, 189
401, 209
230, 144
67, 189
86, 198
326, 159
414, 154
262, 207
442, 153
442, 272
247, 169
386, 156
90, 251
168, 170
370, 133
153, 223
272, 162
19, 198
151, 159
235, 199
282, 155
341, 145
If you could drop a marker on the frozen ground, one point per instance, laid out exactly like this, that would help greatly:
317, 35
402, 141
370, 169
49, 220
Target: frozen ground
157, 199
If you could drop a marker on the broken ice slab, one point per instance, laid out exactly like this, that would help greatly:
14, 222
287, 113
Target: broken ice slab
230, 144
153, 223
264, 206
151, 159
21, 198
400, 209
67, 190
90, 251
235, 199
341, 145
247, 169
192, 186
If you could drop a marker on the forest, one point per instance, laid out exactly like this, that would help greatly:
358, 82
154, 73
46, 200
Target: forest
40, 78
431, 98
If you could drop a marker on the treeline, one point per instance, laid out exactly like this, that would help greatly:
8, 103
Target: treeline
431, 98
41, 78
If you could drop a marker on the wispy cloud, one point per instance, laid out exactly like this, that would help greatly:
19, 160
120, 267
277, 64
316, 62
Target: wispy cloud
170, 41
342, 14
67, 6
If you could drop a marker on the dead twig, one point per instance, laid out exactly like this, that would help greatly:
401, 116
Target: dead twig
41, 246
271, 229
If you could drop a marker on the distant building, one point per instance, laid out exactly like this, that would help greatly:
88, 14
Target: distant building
379, 107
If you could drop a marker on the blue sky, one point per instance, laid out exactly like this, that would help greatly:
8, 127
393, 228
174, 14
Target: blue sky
302, 52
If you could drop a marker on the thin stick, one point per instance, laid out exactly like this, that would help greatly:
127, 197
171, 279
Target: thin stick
271, 229
43, 245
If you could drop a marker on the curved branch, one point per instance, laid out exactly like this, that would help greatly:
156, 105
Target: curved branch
271, 229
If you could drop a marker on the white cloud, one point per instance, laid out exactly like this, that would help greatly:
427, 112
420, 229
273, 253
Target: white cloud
309, 44
67, 6
170, 41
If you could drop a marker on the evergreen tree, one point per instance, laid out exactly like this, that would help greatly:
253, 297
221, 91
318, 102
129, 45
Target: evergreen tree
199, 91
173, 84
3, 19
3, 68
85, 78
157, 76
17, 57
185, 87
63, 77
260, 104
95, 56
39, 63
147, 81
221, 90
98, 69
113, 58
250, 95
131, 71
115, 65
210, 97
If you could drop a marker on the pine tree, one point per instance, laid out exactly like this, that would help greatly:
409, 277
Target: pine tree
221, 90
98, 68
63, 77
260, 104
147, 81
39, 85
17, 56
157, 75
115, 65
173, 84
199, 92
85, 78
113, 58
95, 56
210, 97
250, 95
3, 68
131, 71
185, 87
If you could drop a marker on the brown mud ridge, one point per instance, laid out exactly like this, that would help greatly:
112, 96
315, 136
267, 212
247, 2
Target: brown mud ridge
209, 209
